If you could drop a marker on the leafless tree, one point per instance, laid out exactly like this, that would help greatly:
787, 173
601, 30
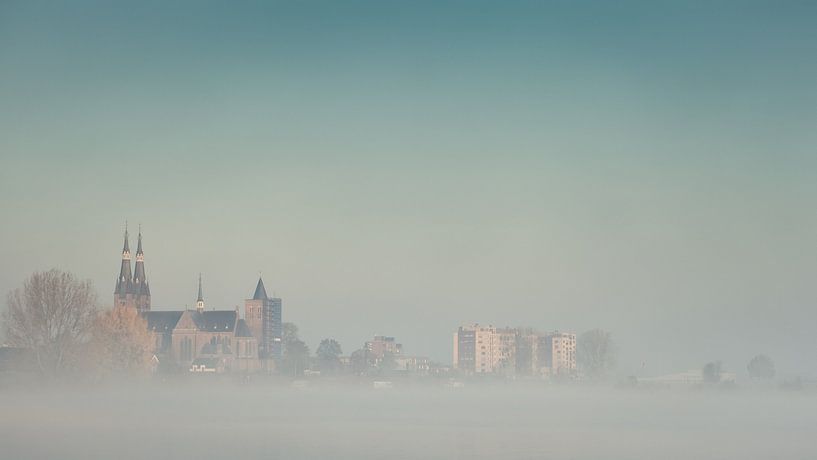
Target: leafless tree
761, 367
595, 352
51, 315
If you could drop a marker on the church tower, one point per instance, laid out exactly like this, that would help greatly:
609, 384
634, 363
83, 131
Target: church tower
140, 287
123, 294
263, 316
253, 309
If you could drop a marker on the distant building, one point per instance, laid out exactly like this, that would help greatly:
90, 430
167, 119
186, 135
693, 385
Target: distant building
557, 353
412, 364
490, 350
465, 342
200, 340
263, 315
182, 337
380, 345
528, 358
485, 349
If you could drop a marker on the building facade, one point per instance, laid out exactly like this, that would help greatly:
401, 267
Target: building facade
485, 349
557, 353
264, 319
491, 350
377, 348
200, 340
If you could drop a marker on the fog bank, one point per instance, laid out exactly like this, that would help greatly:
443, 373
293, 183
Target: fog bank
259, 421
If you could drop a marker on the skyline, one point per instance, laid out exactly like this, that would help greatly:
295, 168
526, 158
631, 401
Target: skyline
644, 167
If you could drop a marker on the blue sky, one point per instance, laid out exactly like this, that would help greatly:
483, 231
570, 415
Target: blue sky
403, 167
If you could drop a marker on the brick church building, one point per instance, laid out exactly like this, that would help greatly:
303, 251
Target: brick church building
204, 340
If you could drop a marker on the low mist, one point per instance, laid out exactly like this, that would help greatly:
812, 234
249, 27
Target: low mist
214, 420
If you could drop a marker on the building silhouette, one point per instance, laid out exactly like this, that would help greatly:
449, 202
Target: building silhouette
521, 351
200, 340
132, 288
263, 316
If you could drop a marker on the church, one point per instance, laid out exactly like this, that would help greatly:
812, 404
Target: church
203, 340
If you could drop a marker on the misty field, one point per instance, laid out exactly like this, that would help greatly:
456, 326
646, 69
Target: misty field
257, 421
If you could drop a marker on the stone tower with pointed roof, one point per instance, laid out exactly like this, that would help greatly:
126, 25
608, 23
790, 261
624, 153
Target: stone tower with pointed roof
132, 288
263, 317
123, 293
139, 286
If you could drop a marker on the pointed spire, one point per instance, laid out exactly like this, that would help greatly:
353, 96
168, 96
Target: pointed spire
140, 287
126, 247
200, 300
201, 297
260, 292
124, 282
139, 244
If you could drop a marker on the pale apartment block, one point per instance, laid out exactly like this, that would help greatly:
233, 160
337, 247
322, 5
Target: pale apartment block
561, 352
484, 349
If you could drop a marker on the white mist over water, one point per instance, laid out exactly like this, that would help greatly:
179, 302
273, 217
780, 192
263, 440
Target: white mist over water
255, 421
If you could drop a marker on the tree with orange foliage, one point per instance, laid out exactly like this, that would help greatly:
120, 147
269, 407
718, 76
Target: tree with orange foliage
121, 343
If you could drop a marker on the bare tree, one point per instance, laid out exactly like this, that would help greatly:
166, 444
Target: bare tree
51, 315
595, 352
121, 343
761, 367
290, 332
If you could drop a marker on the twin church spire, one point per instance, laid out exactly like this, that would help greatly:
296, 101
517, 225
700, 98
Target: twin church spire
132, 288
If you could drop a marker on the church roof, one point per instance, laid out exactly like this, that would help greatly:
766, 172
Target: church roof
162, 321
260, 292
242, 330
206, 321
218, 320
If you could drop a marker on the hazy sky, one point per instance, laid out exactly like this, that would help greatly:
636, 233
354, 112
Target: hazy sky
401, 168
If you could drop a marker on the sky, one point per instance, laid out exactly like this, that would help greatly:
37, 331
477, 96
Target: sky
401, 168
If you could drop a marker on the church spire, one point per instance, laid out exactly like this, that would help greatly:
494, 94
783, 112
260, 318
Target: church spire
200, 300
126, 247
141, 289
260, 292
124, 286
139, 244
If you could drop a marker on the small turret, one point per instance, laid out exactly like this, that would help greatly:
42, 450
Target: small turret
200, 300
